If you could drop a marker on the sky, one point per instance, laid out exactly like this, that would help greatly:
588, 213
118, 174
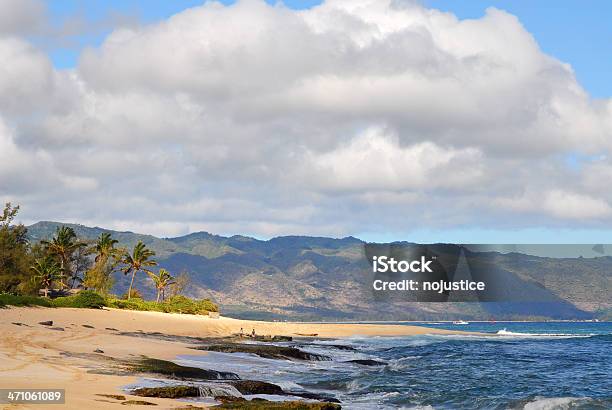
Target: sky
481, 121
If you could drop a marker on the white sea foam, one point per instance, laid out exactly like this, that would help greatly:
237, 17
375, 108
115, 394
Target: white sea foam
505, 332
289, 385
555, 403
403, 363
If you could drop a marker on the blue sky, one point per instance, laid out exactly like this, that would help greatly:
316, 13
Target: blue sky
568, 30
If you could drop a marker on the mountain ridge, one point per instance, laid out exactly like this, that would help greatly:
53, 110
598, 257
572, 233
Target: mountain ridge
319, 278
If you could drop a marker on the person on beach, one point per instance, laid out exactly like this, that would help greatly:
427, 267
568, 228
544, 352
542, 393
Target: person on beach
241, 332
253, 333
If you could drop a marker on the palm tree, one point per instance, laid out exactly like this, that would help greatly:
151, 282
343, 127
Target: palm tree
137, 261
99, 276
104, 247
162, 280
63, 245
46, 272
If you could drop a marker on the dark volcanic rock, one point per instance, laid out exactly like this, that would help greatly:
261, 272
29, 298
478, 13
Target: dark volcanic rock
169, 392
342, 347
46, 323
166, 368
61, 329
277, 338
138, 403
338, 347
367, 362
98, 351
315, 396
112, 328
113, 396
259, 387
88, 326
256, 387
267, 351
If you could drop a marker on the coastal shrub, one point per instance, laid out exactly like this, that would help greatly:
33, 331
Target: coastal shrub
89, 299
134, 294
132, 304
182, 304
135, 304
208, 306
20, 300
86, 299
175, 304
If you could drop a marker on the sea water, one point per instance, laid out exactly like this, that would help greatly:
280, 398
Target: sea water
520, 366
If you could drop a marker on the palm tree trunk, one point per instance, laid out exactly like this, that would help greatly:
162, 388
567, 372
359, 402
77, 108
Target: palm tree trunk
158, 293
131, 284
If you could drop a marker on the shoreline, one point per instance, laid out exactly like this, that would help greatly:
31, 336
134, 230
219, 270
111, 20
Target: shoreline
60, 356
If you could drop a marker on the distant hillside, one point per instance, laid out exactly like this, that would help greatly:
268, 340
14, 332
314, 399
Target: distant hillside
316, 278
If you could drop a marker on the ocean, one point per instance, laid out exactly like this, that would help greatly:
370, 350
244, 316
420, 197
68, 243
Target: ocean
524, 366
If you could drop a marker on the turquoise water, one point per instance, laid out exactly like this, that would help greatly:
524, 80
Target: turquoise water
524, 366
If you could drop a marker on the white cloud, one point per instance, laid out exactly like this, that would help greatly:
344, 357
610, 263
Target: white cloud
575, 206
21, 16
375, 161
347, 117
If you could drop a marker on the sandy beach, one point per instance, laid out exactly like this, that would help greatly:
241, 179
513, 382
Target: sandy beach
33, 355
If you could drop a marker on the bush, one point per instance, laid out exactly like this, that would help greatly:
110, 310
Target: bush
208, 305
134, 294
87, 299
182, 304
135, 304
15, 300
176, 304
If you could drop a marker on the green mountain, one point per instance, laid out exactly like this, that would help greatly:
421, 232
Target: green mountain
316, 278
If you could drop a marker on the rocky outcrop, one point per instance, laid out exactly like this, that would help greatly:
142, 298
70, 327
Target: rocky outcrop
171, 369
168, 392
267, 351
367, 362
257, 387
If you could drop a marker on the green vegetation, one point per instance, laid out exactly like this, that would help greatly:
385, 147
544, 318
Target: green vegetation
7, 299
138, 403
91, 300
137, 261
81, 272
87, 299
63, 246
46, 272
162, 280
100, 276
16, 256
168, 392
175, 304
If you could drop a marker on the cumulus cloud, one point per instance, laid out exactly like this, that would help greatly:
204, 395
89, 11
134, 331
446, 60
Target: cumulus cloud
375, 161
351, 116
19, 17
